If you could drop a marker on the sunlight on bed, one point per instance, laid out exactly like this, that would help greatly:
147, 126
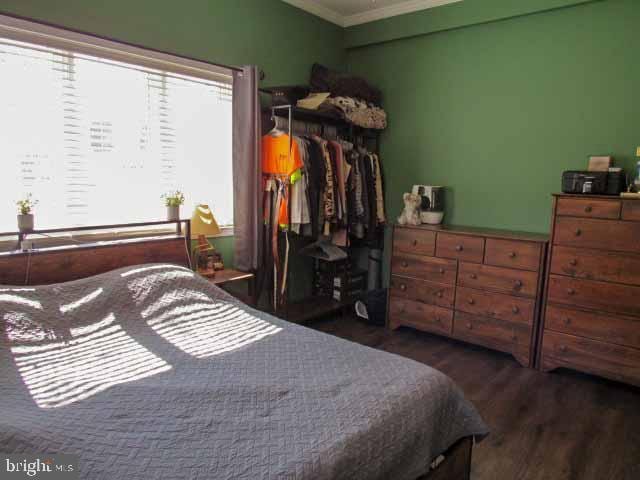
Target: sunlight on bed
19, 300
82, 301
96, 357
134, 271
141, 288
201, 327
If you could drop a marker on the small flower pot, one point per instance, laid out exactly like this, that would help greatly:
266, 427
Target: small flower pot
173, 213
25, 222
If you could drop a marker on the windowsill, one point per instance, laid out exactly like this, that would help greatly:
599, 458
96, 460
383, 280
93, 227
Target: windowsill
89, 245
225, 232
66, 240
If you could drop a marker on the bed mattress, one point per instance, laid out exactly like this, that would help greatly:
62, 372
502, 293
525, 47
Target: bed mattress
151, 372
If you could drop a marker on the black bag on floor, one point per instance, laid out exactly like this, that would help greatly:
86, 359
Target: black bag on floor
373, 307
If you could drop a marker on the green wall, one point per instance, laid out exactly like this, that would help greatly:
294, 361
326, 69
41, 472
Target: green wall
284, 41
496, 111
483, 96
447, 17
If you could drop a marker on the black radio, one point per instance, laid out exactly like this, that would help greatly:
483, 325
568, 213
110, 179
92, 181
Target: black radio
578, 181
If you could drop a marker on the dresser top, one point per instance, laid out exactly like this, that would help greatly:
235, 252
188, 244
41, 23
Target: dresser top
485, 232
595, 197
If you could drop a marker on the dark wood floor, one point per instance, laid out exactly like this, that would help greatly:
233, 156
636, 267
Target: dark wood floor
554, 426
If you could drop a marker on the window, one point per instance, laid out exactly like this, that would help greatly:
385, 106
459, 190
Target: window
97, 132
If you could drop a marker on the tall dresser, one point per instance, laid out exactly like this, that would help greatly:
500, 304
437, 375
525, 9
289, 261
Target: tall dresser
476, 285
592, 313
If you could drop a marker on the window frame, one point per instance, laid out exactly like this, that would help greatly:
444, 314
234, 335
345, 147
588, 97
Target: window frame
52, 36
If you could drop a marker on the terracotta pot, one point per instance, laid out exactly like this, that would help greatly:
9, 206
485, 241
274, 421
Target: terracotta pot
25, 222
173, 213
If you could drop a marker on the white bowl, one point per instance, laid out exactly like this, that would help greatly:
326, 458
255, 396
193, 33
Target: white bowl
431, 218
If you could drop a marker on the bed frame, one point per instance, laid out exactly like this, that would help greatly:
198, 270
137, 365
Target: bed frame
73, 262
456, 464
57, 265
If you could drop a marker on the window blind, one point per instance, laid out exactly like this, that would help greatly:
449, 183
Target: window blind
98, 141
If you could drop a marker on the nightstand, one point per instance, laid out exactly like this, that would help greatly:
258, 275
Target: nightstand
229, 276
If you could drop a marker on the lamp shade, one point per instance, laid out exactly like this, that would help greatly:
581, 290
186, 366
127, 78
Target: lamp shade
203, 222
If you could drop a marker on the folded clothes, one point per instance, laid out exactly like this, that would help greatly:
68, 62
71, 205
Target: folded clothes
358, 112
313, 100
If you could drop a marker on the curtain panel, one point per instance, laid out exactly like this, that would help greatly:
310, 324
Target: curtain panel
247, 181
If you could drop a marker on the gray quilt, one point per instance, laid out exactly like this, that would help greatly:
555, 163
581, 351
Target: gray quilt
151, 372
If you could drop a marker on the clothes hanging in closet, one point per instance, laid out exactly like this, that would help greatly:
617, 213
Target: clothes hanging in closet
336, 191
281, 158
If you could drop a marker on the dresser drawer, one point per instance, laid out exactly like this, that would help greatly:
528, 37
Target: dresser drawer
596, 265
460, 247
612, 361
439, 270
414, 240
598, 326
589, 207
607, 297
512, 254
600, 234
421, 291
421, 316
486, 277
631, 210
493, 333
495, 305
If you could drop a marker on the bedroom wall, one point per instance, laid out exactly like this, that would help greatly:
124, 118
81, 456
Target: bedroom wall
284, 41
496, 111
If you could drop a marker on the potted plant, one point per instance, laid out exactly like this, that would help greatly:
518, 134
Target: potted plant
173, 201
25, 213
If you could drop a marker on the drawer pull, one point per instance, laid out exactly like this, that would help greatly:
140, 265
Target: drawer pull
571, 291
588, 209
441, 270
578, 232
514, 337
563, 348
403, 287
439, 294
459, 248
471, 301
515, 310
512, 255
415, 243
405, 264
573, 262
567, 321
469, 326
473, 276
518, 283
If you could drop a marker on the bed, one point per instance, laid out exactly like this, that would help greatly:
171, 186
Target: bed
149, 372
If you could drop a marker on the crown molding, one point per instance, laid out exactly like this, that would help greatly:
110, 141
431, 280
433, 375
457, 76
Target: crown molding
318, 10
371, 16
393, 10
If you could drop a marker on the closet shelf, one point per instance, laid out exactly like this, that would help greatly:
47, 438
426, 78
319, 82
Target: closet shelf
318, 116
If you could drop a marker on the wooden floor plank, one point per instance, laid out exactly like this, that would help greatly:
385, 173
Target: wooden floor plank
545, 426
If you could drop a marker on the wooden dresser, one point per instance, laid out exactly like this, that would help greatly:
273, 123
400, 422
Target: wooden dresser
477, 285
592, 313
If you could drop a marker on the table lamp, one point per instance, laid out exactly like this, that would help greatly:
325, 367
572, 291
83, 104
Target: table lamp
203, 224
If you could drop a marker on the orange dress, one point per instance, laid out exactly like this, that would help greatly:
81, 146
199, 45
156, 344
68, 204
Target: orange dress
277, 159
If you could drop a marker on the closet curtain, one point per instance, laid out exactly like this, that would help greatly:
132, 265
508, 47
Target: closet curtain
247, 182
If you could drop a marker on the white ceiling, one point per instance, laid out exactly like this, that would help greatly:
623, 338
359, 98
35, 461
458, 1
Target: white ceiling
347, 13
